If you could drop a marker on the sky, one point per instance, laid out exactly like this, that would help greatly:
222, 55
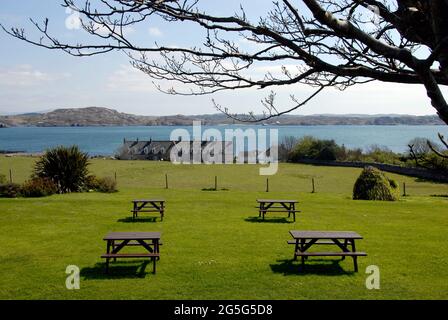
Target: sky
34, 79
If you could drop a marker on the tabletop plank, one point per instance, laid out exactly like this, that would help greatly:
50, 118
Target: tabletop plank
277, 201
304, 234
133, 235
149, 200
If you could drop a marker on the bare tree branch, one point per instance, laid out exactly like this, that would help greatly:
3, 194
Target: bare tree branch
334, 43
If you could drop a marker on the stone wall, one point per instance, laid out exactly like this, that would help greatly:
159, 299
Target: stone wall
413, 172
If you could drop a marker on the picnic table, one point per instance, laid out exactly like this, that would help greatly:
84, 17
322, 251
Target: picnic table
118, 240
344, 240
274, 205
148, 205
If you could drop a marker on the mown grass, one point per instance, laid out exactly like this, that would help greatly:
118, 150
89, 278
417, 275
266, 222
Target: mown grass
214, 247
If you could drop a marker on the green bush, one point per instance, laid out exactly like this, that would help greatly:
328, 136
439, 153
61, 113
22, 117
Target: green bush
381, 154
314, 149
435, 162
38, 187
352, 155
10, 190
372, 184
106, 184
91, 183
65, 166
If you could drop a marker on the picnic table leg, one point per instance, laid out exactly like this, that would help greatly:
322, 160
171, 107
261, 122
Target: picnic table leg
107, 259
345, 246
156, 247
293, 208
302, 245
296, 247
355, 258
162, 211
262, 210
113, 246
134, 211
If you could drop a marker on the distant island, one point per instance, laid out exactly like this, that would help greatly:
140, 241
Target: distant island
97, 116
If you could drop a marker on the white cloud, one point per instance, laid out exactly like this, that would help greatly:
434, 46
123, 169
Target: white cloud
129, 79
155, 32
27, 76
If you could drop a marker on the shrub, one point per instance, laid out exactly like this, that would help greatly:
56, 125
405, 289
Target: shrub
91, 183
381, 154
314, 149
10, 190
65, 166
372, 184
106, 184
38, 187
353, 155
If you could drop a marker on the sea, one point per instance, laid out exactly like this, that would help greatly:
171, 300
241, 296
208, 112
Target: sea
105, 141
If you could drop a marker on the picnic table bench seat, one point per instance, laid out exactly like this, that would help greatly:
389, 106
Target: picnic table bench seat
330, 254
133, 243
153, 256
320, 242
129, 255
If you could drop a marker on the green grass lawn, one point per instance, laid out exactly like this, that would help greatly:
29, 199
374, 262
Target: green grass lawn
212, 246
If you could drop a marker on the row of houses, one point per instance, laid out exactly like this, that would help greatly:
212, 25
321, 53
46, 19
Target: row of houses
217, 151
161, 150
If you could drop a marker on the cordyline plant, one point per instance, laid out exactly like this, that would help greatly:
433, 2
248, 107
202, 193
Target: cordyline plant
65, 166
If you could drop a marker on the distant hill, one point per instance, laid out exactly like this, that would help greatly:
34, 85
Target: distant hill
96, 116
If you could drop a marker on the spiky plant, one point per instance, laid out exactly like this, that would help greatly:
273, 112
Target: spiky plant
65, 166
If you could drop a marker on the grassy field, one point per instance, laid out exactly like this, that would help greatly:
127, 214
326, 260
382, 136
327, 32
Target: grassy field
214, 248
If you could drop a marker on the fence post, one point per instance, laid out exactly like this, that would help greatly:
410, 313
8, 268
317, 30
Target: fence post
216, 183
312, 181
267, 184
10, 175
166, 180
404, 189
115, 176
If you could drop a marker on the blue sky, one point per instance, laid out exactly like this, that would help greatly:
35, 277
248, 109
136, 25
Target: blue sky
36, 79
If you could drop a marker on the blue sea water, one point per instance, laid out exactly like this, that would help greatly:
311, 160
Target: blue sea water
106, 140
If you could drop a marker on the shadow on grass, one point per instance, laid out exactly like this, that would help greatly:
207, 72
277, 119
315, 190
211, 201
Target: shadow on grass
322, 267
137, 220
117, 270
268, 220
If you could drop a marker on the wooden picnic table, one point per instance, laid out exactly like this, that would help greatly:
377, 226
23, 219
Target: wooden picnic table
345, 240
118, 240
148, 205
275, 205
